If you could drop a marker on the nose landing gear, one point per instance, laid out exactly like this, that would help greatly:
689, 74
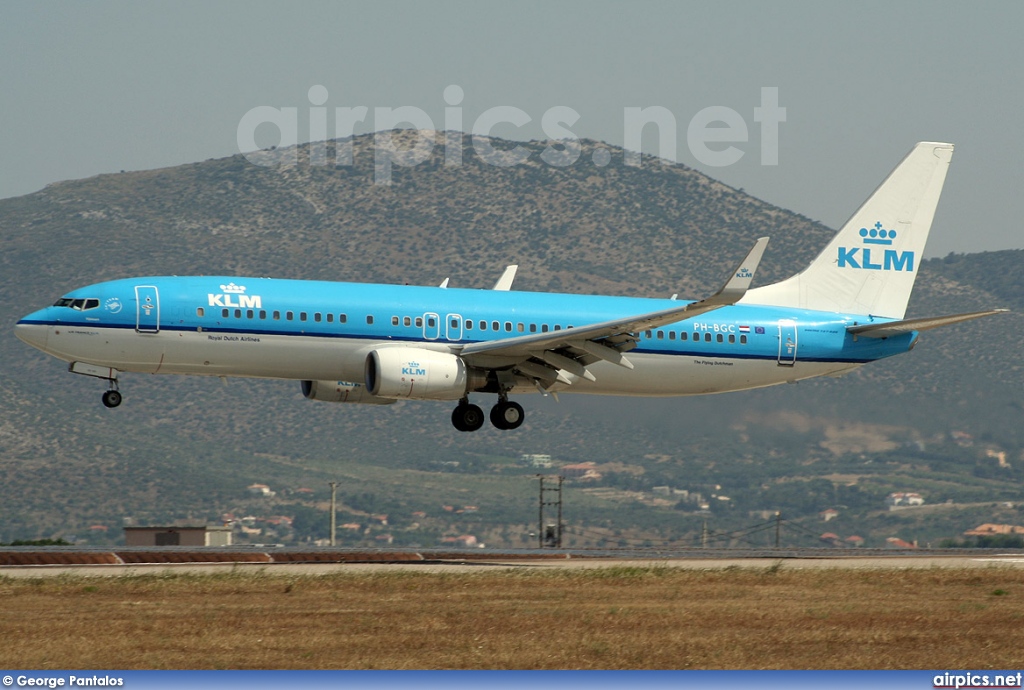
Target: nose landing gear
112, 398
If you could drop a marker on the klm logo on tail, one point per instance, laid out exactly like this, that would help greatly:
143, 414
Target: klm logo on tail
874, 239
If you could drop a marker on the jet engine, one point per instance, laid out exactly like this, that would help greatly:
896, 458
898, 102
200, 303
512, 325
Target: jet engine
415, 373
341, 392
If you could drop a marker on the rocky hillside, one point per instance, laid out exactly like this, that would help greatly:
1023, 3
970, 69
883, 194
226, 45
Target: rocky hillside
652, 230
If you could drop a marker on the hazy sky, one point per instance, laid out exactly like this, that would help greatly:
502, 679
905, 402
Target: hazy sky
95, 87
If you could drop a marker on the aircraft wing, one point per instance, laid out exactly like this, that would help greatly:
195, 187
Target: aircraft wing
547, 357
891, 328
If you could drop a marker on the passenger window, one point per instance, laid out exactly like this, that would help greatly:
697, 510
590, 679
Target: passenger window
302, 316
289, 316
743, 340
263, 313
469, 324
342, 318
647, 334
483, 325
661, 335
520, 327
495, 326
248, 313
431, 322
533, 328
671, 335
330, 318
543, 328
199, 311
508, 326
419, 322
707, 337
224, 313
277, 315
394, 320
557, 327
455, 323
683, 335
238, 313
369, 320
407, 321
719, 338
317, 317
732, 338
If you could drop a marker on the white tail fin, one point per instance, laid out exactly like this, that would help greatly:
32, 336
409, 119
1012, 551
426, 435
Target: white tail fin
870, 265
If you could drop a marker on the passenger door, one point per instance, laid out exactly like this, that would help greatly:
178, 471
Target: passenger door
147, 309
787, 343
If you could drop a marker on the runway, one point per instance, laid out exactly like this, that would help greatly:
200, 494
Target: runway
35, 562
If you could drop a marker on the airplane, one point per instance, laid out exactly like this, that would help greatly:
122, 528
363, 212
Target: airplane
376, 344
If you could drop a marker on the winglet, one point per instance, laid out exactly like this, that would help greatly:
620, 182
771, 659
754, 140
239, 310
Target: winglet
444, 284
505, 281
741, 278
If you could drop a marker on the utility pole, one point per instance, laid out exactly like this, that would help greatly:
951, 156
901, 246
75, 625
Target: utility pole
543, 534
334, 509
704, 535
778, 525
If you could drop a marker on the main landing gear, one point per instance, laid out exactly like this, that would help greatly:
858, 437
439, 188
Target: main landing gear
504, 415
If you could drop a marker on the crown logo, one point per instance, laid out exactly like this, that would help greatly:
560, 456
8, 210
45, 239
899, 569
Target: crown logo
413, 364
878, 235
233, 289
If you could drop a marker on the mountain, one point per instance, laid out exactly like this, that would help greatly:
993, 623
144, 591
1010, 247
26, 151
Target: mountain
188, 447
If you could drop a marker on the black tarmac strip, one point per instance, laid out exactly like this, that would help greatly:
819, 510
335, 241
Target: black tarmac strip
34, 556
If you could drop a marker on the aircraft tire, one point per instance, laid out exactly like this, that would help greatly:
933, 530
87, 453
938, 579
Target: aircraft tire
467, 417
112, 398
507, 415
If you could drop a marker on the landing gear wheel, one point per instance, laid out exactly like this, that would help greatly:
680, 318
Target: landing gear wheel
467, 417
112, 398
507, 415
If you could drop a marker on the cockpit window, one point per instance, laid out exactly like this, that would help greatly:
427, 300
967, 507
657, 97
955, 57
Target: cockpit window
79, 304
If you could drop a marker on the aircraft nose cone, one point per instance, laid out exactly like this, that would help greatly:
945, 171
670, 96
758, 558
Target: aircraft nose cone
32, 333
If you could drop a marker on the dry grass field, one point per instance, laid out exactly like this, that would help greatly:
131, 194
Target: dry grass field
616, 618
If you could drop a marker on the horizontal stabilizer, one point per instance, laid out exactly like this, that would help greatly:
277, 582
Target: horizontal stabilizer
886, 330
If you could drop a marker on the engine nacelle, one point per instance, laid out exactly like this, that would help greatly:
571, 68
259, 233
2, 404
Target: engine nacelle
341, 392
415, 373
